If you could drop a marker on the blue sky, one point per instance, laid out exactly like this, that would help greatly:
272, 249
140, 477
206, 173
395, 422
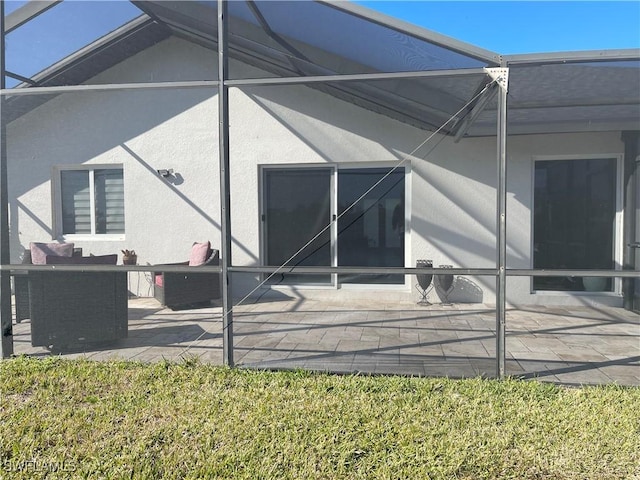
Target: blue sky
505, 27
510, 27
60, 31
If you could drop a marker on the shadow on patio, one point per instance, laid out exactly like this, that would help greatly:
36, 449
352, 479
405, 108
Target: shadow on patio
578, 345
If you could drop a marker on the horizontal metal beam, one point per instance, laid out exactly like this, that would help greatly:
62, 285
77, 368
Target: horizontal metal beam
366, 270
577, 103
517, 272
572, 57
354, 77
20, 269
24, 268
15, 92
236, 83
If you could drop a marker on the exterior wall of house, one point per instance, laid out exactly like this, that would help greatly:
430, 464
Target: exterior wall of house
451, 186
141, 130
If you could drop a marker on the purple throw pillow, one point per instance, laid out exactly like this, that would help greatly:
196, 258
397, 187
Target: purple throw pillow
40, 251
199, 253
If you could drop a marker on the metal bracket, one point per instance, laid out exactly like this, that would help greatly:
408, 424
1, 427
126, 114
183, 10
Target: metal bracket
500, 75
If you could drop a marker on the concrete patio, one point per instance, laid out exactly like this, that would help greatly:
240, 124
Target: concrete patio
576, 345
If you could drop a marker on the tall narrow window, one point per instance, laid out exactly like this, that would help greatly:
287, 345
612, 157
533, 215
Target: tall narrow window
574, 221
92, 201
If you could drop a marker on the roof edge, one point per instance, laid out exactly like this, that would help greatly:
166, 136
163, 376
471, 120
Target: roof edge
415, 30
575, 56
98, 44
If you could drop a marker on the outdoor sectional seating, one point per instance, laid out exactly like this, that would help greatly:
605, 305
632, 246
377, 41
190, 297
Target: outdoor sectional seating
193, 289
21, 284
72, 308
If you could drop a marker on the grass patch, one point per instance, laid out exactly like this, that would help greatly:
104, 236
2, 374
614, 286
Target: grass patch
114, 420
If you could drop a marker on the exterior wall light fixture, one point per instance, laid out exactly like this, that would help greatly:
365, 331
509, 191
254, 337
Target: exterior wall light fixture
165, 173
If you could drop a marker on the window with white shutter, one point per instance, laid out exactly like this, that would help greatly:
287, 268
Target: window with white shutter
92, 201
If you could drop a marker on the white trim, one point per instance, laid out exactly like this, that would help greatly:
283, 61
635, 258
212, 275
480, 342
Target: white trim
386, 287
578, 156
618, 237
334, 225
103, 237
92, 196
408, 212
575, 293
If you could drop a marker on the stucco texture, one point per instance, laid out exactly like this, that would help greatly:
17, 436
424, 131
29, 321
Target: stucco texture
450, 188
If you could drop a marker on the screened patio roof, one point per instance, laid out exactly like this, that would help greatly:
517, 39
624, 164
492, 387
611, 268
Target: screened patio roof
420, 77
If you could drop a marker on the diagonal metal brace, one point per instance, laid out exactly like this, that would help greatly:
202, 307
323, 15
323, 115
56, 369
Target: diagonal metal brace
478, 108
500, 75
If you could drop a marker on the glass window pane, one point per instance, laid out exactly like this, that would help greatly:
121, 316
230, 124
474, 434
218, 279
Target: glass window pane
298, 207
76, 202
574, 221
109, 193
371, 233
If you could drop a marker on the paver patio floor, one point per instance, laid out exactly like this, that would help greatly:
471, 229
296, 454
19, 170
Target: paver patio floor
571, 345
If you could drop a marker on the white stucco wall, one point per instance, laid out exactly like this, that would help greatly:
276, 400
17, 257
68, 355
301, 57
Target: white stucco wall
141, 130
451, 186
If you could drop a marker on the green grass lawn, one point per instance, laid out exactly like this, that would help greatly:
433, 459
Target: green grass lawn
80, 419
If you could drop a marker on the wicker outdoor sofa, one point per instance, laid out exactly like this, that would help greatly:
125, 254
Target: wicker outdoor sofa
21, 286
71, 308
188, 290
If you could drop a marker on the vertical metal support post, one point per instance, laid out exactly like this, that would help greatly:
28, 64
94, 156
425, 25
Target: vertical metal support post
225, 198
6, 329
631, 141
501, 280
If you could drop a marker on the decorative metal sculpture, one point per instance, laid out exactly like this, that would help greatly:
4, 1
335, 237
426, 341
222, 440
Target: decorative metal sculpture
445, 284
424, 281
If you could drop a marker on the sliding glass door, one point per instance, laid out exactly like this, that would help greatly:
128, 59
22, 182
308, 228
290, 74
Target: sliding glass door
298, 211
575, 221
371, 222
